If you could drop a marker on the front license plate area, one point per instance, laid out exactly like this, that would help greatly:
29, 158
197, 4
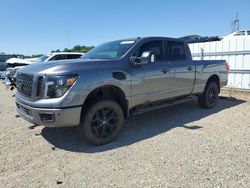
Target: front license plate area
24, 110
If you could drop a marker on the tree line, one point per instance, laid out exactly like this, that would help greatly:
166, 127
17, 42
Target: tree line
77, 48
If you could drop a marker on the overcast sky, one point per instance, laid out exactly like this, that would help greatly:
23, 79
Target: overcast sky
39, 26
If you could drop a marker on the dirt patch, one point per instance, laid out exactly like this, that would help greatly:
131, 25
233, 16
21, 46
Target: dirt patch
181, 146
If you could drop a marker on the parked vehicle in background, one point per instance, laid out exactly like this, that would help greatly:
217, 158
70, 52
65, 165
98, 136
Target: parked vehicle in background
113, 81
238, 34
3, 66
9, 76
14, 62
3, 58
59, 56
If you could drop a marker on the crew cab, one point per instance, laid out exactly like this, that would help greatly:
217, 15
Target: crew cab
113, 81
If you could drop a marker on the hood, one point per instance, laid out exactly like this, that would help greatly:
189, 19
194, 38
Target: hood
66, 66
18, 61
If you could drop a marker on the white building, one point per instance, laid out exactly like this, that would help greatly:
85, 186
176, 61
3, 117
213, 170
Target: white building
235, 49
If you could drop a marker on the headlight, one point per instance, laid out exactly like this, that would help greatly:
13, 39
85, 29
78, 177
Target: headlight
56, 86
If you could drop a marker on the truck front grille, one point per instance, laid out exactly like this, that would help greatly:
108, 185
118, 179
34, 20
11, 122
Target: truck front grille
39, 86
24, 84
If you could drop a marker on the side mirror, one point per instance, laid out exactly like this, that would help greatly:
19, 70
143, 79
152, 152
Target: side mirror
146, 58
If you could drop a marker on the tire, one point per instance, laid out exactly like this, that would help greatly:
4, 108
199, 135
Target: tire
209, 98
101, 123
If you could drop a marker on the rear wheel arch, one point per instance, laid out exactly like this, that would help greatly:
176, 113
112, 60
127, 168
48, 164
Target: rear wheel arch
208, 98
214, 78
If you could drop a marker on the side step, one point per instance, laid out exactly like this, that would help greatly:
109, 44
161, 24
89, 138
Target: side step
141, 110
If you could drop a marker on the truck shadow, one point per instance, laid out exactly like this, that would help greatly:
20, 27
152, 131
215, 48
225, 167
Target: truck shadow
139, 128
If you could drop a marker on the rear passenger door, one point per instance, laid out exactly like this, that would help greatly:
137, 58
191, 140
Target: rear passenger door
184, 70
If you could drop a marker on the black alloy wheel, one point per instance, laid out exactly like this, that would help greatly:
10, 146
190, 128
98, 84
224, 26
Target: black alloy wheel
209, 98
102, 122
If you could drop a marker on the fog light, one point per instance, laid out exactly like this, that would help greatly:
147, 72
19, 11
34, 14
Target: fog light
47, 118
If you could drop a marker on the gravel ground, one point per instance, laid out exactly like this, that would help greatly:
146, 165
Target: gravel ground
181, 146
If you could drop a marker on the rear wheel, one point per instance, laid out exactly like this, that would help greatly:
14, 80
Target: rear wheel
209, 97
101, 122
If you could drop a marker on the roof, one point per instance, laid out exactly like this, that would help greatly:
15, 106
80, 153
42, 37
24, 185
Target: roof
151, 38
18, 61
240, 33
162, 38
56, 53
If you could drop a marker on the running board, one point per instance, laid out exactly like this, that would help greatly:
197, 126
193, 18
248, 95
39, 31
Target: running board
141, 110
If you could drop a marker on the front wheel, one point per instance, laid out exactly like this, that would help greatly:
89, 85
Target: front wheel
209, 98
101, 122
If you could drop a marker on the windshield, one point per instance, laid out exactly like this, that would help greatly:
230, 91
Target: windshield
109, 50
42, 58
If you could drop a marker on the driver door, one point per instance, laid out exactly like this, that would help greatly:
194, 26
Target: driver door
151, 82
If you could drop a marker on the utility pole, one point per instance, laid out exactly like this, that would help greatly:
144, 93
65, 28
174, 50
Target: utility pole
235, 24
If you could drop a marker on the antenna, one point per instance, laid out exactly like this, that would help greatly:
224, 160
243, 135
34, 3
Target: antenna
235, 24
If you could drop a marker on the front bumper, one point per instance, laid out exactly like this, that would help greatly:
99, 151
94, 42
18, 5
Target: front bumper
61, 117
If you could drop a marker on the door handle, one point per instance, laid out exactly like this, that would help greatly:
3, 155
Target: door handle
165, 70
189, 68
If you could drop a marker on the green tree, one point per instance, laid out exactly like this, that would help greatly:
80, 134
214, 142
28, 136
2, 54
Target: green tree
66, 50
76, 48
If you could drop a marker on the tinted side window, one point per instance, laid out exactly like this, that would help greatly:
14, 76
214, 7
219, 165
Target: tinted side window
58, 57
177, 50
155, 46
248, 32
167, 50
73, 56
240, 33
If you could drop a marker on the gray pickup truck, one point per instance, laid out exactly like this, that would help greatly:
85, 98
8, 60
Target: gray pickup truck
113, 81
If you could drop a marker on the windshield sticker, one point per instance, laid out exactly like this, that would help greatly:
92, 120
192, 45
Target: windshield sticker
127, 42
